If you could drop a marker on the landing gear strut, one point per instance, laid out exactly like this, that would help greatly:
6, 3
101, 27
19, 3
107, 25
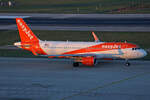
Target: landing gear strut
76, 64
127, 63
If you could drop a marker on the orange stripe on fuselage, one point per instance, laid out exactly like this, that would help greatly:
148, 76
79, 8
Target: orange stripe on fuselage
103, 47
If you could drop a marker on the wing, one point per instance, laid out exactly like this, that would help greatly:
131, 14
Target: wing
82, 55
70, 55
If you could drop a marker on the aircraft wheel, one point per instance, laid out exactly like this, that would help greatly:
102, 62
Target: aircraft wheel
75, 64
127, 64
95, 62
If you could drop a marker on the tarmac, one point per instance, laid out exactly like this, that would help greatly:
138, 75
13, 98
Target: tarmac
56, 79
79, 22
63, 16
83, 28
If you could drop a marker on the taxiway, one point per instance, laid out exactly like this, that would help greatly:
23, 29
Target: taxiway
51, 79
79, 22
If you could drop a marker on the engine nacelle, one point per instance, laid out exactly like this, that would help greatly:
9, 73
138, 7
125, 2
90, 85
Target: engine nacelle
88, 61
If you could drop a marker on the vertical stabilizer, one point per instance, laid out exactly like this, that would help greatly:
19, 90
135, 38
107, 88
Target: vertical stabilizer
25, 32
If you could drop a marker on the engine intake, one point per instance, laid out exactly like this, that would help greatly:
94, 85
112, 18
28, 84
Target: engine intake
88, 61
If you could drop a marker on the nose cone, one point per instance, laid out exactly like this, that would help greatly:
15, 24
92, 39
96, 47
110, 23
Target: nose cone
143, 53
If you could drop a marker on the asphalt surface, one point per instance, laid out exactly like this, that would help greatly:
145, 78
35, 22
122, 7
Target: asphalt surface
47, 79
62, 16
81, 24
81, 21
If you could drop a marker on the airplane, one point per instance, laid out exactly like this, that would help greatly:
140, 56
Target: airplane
86, 53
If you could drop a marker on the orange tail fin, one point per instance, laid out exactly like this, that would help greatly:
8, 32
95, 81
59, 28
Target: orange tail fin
25, 32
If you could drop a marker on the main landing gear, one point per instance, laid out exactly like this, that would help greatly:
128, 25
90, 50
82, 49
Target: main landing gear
75, 64
127, 63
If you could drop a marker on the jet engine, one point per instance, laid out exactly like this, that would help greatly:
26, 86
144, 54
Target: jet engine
88, 61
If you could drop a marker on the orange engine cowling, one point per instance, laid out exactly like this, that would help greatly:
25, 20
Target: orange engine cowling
88, 61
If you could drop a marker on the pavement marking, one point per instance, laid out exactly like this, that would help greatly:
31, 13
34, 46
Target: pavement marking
105, 85
41, 85
13, 17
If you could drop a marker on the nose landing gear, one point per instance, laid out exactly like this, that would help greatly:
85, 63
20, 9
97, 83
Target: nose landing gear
76, 64
127, 63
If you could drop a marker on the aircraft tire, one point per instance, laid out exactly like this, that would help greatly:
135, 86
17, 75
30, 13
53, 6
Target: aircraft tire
127, 64
75, 64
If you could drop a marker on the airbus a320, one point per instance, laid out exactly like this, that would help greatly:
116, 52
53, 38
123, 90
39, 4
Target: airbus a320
86, 53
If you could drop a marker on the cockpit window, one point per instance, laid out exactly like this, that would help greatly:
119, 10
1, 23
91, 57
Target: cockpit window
136, 48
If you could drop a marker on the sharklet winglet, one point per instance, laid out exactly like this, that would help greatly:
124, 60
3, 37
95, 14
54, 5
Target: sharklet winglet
95, 37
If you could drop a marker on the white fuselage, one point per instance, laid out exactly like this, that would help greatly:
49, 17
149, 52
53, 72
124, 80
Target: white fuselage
62, 47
